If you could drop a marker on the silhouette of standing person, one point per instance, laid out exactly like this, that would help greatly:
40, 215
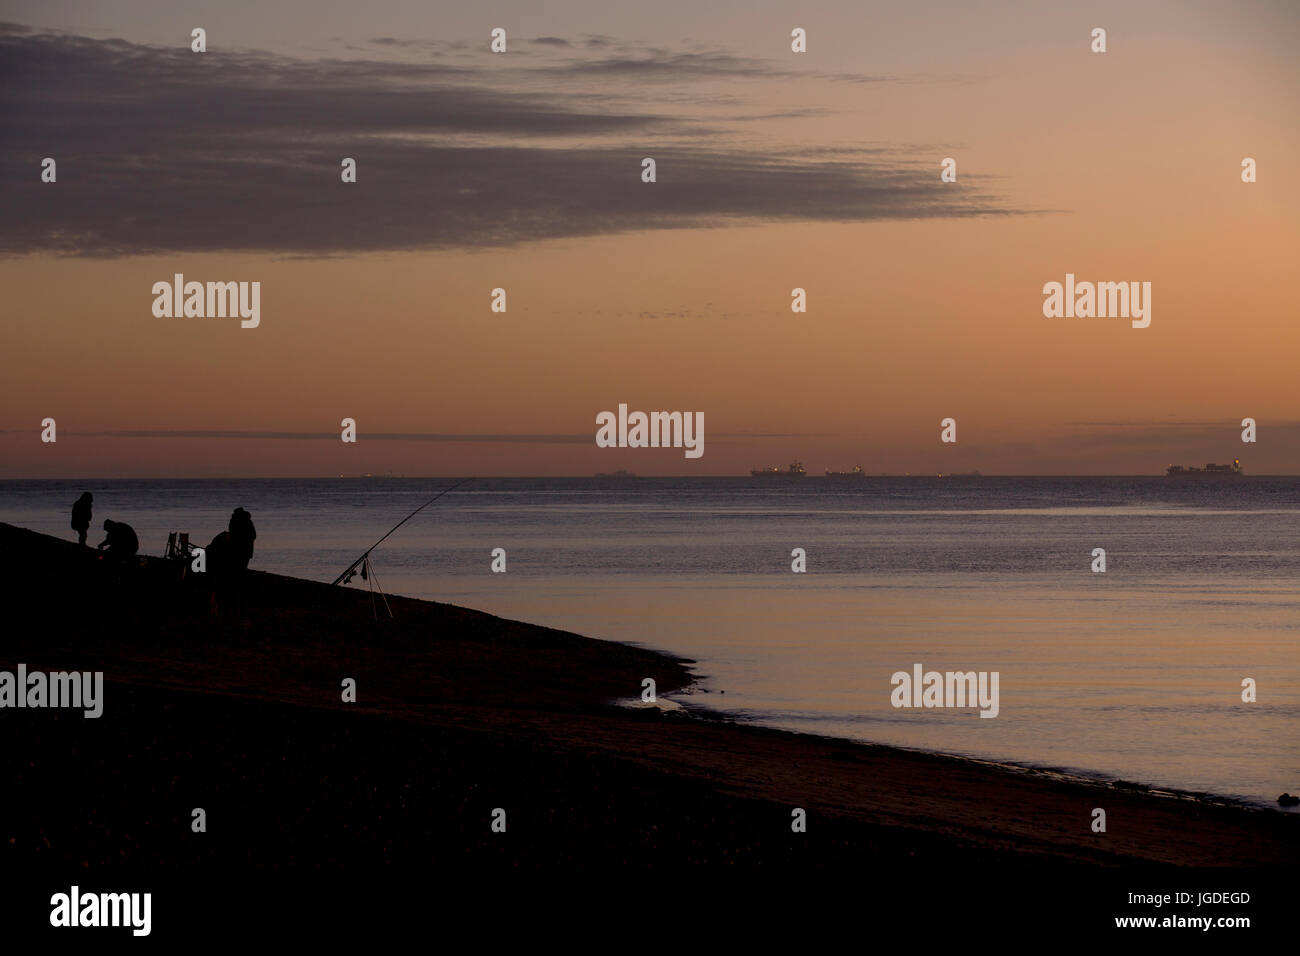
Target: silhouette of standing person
227, 557
121, 540
242, 535
81, 516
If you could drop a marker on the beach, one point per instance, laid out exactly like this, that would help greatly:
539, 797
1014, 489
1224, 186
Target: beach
1134, 674
459, 713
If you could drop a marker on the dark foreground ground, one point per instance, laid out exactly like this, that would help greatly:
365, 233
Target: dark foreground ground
336, 813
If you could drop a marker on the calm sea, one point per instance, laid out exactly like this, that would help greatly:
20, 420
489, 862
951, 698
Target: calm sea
1135, 673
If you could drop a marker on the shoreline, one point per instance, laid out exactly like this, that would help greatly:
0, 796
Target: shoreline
1071, 775
458, 711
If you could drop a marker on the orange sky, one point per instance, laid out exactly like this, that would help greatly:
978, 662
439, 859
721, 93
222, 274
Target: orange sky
1123, 166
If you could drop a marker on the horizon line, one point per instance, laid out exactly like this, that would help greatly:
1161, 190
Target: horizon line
405, 477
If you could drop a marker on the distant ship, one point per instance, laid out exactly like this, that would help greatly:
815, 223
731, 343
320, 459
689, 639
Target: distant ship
621, 473
795, 470
961, 474
1209, 471
857, 472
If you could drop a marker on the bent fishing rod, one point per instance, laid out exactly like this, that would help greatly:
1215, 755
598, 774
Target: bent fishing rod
352, 568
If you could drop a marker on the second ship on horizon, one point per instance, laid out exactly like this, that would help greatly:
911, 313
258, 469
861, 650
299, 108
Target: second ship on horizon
795, 470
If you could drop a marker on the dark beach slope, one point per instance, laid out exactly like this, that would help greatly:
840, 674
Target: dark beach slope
458, 713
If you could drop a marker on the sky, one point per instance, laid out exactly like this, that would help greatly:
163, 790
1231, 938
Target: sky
522, 171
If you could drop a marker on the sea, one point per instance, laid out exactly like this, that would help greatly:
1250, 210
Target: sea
1135, 673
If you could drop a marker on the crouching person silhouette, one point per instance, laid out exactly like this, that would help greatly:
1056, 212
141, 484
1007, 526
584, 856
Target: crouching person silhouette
120, 540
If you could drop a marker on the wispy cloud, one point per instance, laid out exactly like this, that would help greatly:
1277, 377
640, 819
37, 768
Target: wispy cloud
163, 150
200, 433
477, 437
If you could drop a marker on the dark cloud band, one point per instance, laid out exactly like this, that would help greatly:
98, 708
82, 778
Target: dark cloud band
169, 151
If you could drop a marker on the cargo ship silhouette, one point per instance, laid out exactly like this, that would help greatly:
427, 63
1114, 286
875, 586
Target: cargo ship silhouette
1209, 471
795, 470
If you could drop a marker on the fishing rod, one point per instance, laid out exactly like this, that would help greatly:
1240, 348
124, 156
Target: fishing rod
352, 568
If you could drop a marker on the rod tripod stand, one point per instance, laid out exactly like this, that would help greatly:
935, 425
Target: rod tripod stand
367, 571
